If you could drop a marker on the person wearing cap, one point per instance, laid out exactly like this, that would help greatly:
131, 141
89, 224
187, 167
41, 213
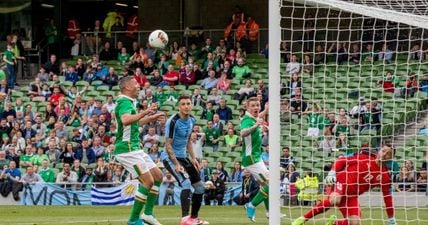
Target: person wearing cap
216, 190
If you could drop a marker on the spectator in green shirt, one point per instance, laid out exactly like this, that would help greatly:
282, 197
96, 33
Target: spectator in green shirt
47, 173
26, 160
38, 159
123, 57
315, 121
212, 136
3, 160
241, 70
231, 139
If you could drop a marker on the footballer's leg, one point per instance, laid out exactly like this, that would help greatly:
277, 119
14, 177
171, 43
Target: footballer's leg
156, 173
350, 210
261, 174
133, 162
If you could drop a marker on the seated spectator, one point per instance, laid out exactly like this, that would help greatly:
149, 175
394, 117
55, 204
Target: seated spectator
67, 155
342, 127
241, 70
359, 108
52, 152
167, 190
67, 178
149, 68
56, 96
422, 181
101, 71
140, 77
154, 153
31, 177
163, 65
285, 111
231, 139
245, 91
338, 51
298, 106
35, 90
424, 84
385, 55
52, 66
118, 176
214, 189
157, 79
342, 142
390, 82
78, 168
123, 57
265, 51
11, 177
3, 160
71, 75
89, 74
294, 84
308, 66
286, 157
368, 56
97, 147
172, 95
289, 179
37, 159
328, 144
197, 72
224, 111
208, 112
26, 160
111, 79
223, 83
416, 53
171, 77
210, 82
249, 189
406, 179
196, 98
187, 76
293, 67
223, 174
106, 53
47, 173
87, 179
151, 138
85, 154
411, 86
308, 189
42, 76
425, 162
214, 97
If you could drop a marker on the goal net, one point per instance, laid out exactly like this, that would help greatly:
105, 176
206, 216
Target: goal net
354, 76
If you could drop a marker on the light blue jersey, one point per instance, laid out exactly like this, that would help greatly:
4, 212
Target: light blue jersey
179, 131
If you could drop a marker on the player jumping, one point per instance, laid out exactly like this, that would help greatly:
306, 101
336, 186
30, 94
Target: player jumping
352, 176
175, 159
128, 152
251, 155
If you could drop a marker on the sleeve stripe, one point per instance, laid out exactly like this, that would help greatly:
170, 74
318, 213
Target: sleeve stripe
172, 126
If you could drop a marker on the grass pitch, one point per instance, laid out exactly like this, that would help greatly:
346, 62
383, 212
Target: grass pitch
169, 215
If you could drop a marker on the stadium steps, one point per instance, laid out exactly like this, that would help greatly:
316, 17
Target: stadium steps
410, 130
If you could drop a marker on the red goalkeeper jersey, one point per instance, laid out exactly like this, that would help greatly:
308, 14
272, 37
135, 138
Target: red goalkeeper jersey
360, 173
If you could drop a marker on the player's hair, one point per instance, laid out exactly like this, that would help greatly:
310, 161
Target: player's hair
391, 146
183, 97
252, 99
124, 81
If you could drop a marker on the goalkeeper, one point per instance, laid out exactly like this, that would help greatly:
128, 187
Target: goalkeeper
352, 176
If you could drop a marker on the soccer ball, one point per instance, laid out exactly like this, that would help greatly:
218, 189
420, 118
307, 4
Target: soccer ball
158, 39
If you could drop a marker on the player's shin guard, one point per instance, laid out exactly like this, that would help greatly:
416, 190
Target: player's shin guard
261, 196
185, 202
151, 198
319, 208
140, 200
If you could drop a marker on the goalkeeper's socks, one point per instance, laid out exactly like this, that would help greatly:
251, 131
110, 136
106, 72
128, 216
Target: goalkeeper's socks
151, 198
266, 202
139, 201
261, 196
341, 222
319, 208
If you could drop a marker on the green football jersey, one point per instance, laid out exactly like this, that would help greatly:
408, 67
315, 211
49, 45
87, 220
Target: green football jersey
127, 137
251, 144
48, 175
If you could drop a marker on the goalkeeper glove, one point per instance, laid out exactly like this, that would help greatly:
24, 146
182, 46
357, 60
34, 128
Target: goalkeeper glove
391, 221
331, 178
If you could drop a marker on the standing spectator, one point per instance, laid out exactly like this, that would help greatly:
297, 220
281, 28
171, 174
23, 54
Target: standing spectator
214, 189
52, 36
9, 58
237, 173
47, 173
249, 189
293, 67
67, 178
308, 189
224, 112
286, 157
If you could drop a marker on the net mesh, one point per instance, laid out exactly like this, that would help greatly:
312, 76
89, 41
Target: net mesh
351, 81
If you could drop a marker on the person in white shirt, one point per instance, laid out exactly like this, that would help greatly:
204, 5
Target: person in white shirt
67, 178
150, 138
293, 66
197, 139
110, 105
31, 177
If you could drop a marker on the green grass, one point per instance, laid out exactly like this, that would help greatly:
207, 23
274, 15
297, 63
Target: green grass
87, 215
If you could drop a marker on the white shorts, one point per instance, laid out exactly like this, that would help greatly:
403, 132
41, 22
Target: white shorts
136, 162
259, 171
313, 132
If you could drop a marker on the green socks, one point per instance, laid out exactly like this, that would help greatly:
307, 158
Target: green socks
262, 195
152, 197
139, 201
